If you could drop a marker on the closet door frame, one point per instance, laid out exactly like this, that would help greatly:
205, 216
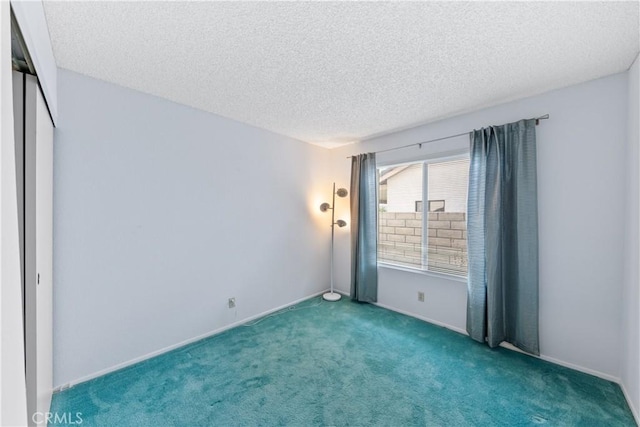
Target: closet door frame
44, 254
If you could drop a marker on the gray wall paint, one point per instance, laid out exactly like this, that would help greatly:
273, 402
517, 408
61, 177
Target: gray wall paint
631, 292
581, 191
162, 212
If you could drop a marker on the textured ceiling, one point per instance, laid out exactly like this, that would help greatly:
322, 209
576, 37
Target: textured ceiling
336, 72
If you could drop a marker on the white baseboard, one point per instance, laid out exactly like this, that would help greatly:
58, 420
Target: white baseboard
180, 344
589, 371
569, 365
633, 408
553, 360
508, 346
426, 319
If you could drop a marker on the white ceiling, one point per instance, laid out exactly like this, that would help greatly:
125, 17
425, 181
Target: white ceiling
335, 72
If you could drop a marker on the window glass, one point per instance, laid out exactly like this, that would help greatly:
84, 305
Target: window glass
401, 240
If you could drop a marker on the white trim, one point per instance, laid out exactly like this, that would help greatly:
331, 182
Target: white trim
511, 347
437, 157
452, 277
578, 368
180, 344
13, 402
35, 32
634, 410
569, 365
507, 346
426, 319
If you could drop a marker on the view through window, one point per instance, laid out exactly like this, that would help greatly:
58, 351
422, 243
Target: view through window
404, 216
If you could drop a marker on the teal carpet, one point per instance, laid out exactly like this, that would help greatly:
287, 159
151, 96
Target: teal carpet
339, 364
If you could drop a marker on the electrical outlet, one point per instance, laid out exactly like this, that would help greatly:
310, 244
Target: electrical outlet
421, 296
232, 302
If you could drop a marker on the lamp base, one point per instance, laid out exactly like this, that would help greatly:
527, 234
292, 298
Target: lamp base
331, 296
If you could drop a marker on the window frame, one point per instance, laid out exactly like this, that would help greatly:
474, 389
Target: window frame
463, 154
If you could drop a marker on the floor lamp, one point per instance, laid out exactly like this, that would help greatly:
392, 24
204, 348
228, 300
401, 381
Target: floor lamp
333, 296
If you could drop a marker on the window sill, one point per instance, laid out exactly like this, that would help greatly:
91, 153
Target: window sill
423, 272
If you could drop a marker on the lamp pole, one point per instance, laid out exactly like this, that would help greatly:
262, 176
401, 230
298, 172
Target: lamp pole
333, 296
333, 211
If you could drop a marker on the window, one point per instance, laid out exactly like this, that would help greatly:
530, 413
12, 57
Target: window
401, 240
436, 205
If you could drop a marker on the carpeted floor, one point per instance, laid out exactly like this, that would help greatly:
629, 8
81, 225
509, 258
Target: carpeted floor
339, 364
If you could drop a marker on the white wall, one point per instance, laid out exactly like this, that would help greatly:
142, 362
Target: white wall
630, 353
448, 181
13, 396
163, 212
404, 189
581, 191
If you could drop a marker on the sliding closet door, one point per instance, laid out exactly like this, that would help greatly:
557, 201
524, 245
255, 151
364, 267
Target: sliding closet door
44, 249
29, 277
18, 131
37, 179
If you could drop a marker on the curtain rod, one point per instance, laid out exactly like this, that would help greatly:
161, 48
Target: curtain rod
419, 144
